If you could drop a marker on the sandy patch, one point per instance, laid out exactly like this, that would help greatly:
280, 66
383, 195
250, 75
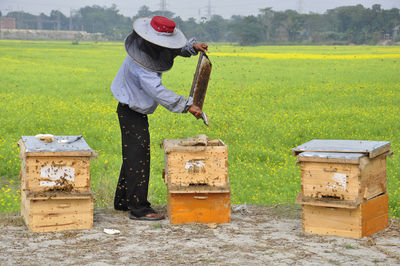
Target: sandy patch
256, 235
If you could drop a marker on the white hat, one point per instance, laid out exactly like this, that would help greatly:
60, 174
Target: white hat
160, 31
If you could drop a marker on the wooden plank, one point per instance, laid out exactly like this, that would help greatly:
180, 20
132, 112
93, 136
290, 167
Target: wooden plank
375, 215
375, 207
58, 195
22, 149
373, 177
327, 160
368, 181
379, 151
330, 180
199, 189
369, 218
216, 142
327, 202
199, 208
375, 225
173, 145
62, 154
58, 214
77, 178
25, 207
332, 221
207, 167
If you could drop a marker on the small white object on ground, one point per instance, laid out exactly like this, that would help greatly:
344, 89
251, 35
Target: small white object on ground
111, 231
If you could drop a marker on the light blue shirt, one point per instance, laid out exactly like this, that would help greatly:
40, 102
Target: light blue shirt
142, 89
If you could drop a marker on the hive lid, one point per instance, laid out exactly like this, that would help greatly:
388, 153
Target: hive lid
370, 148
177, 145
31, 145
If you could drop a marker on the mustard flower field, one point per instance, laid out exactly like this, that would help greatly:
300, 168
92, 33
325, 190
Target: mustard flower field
261, 101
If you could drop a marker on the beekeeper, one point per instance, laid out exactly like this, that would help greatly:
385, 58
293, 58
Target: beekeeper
151, 49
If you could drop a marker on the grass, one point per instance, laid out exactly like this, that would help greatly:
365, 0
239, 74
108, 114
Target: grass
261, 101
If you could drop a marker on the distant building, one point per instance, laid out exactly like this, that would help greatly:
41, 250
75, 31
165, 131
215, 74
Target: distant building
7, 23
396, 32
13, 34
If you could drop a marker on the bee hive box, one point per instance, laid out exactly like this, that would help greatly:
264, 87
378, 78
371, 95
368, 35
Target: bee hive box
366, 219
199, 205
57, 211
56, 165
351, 171
196, 165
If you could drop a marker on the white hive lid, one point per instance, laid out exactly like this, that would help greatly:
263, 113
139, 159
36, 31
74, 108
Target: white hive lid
34, 145
369, 148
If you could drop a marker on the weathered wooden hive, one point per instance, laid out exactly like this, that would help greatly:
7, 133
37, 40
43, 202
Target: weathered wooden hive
55, 183
343, 186
196, 175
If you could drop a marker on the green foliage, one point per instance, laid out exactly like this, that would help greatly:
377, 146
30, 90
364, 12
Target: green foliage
106, 20
248, 30
261, 101
355, 24
144, 11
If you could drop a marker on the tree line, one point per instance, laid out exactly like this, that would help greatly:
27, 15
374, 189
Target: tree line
341, 25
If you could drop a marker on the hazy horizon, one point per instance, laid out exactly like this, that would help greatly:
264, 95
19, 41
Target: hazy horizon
184, 9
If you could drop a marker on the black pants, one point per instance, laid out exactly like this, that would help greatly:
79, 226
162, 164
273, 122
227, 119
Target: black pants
133, 182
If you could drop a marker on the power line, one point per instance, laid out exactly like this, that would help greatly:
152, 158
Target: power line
300, 6
163, 6
209, 9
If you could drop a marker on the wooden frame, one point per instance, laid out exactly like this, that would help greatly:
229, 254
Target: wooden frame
367, 219
347, 180
199, 207
196, 165
57, 212
55, 171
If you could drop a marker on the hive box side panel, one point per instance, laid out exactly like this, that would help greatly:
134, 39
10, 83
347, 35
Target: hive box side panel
373, 177
25, 207
375, 215
199, 208
330, 180
56, 215
332, 221
209, 167
63, 173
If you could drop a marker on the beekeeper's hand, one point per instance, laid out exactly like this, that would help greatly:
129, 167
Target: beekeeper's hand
202, 46
196, 111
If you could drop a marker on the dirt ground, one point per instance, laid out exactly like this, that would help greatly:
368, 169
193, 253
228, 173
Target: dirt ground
257, 235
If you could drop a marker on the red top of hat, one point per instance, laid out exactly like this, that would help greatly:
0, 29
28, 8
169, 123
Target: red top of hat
162, 24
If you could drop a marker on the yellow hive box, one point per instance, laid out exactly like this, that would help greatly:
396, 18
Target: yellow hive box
57, 211
196, 165
351, 171
195, 206
367, 219
55, 166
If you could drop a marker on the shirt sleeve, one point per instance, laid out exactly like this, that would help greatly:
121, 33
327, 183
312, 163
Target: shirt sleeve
151, 84
188, 49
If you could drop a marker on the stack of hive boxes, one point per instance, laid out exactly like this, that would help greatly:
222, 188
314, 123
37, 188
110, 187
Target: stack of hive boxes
196, 175
55, 183
343, 187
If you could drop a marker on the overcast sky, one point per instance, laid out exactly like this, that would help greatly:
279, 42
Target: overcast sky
186, 9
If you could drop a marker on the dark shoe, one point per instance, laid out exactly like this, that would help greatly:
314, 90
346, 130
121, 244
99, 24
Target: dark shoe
152, 216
